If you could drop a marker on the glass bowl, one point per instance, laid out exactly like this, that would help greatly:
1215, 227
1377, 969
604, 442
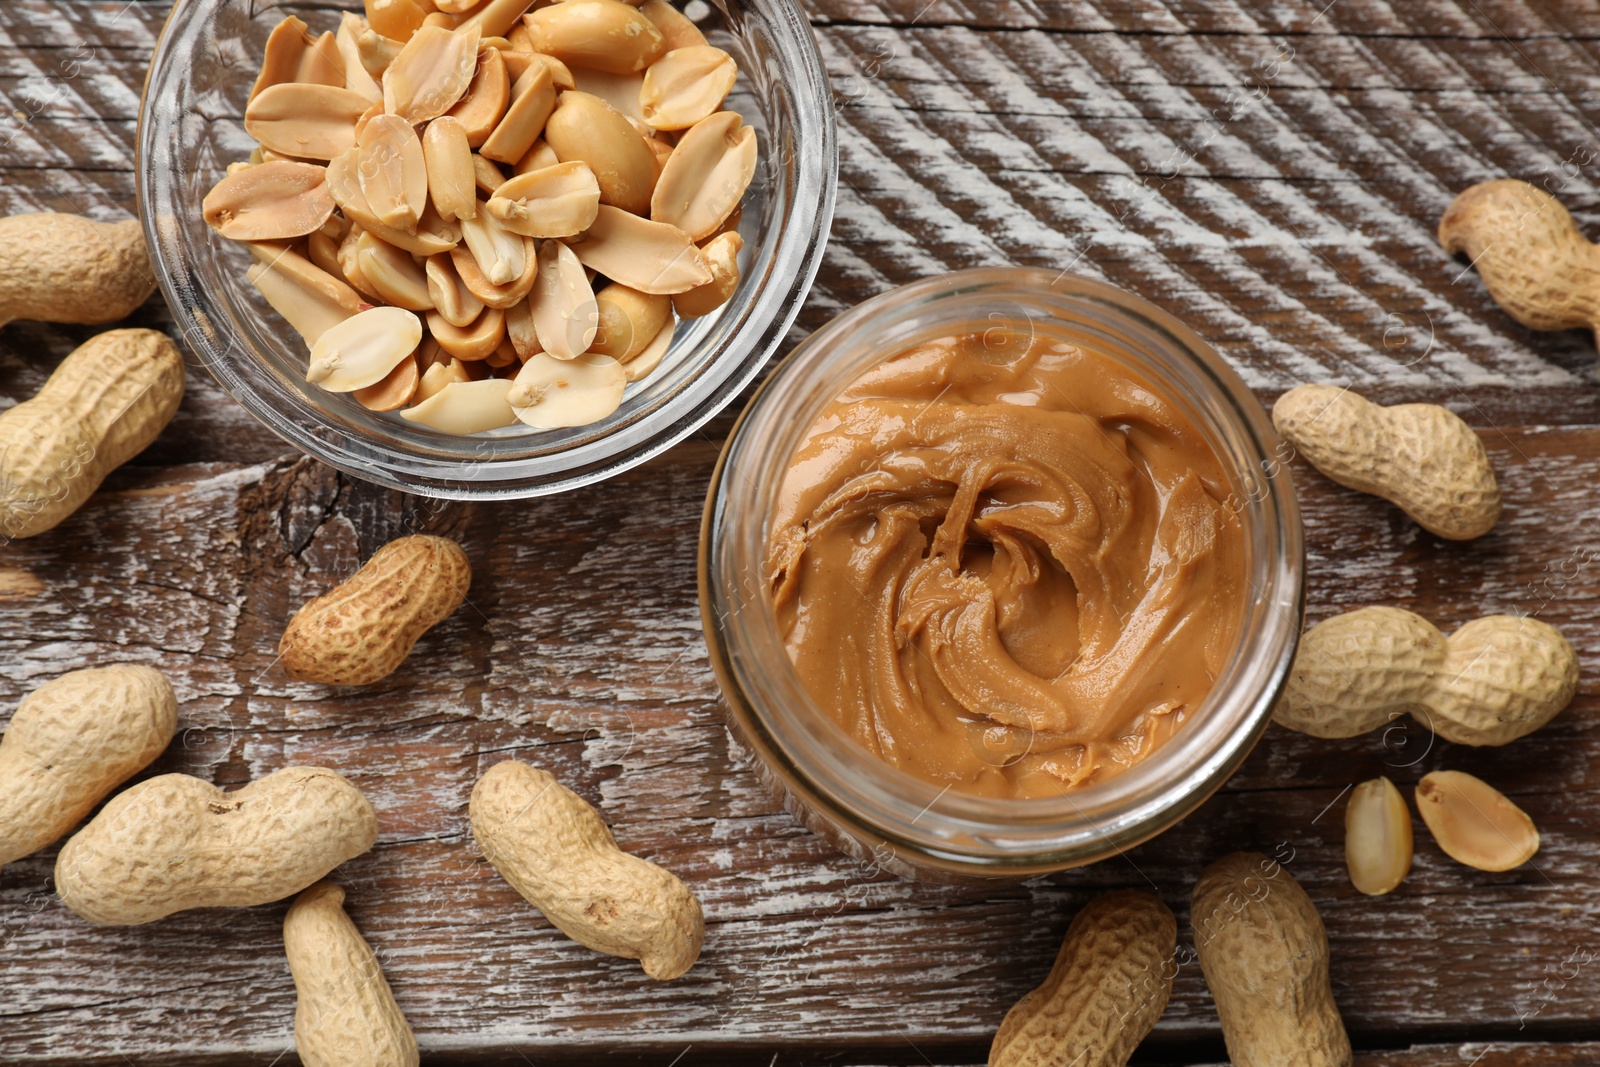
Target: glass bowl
884, 815
191, 127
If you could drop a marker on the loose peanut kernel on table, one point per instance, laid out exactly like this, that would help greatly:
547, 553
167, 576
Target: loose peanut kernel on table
1474, 823
1377, 837
477, 216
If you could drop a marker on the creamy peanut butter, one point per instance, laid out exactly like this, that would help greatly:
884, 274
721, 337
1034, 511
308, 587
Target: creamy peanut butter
1004, 564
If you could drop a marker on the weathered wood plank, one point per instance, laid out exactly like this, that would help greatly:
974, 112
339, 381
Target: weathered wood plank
1272, 172
1279, 192
196, 570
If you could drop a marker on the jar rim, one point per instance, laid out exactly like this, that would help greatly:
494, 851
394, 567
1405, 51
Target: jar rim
811, 756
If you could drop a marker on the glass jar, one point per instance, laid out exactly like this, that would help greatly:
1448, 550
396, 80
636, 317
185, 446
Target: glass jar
902, 823
191, 127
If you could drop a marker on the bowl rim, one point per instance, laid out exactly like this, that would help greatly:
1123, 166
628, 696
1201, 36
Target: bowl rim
323, 435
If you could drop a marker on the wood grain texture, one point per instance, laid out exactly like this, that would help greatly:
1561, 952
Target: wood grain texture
1270, 171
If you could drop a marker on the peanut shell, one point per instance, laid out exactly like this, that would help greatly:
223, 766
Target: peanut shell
361, 631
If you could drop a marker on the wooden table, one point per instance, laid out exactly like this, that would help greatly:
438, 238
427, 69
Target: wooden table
1269, 170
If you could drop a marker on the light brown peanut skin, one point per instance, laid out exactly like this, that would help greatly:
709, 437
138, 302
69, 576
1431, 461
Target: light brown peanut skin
1529, 252
66, 268
103, 405
1108, 988
71, 742
345, 1014
1494, 680
1421, 457
175, 842
1264, 953
559, 854
364, 629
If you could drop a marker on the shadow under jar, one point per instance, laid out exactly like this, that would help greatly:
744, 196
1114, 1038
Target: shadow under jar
913, 825
191, 127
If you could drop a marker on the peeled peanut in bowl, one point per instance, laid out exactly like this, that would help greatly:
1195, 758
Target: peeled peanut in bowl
409, 178
400, 168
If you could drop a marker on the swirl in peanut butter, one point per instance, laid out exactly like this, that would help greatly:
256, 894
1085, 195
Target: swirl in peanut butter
1003, 564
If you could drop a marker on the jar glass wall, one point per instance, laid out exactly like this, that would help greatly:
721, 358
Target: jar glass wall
913, 826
